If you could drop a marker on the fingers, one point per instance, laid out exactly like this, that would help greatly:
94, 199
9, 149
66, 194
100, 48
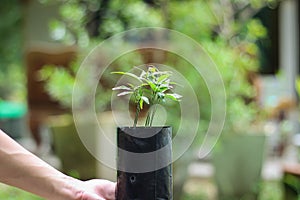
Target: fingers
92, 197
111, 191
108, 189
101, 189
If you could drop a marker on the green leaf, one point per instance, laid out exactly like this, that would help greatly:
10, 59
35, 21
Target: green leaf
161, 73
152, 89
152, 85
139, 87
145, 99
152, 69
122, 87
174, 83
166, 83
163, 89
130, 85
128, 74
143, 74
124, 93
161, 95
177, 96
141, 103
174, 97
163, 78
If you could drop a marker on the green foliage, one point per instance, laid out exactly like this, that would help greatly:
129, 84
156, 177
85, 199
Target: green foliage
225, 29
292, 182
193, 18
81, 21
271, 190
59, 83
133, 14
255, 30
153, 87
12, 79
109, 17
69, 28
235, 66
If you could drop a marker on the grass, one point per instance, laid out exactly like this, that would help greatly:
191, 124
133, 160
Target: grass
194, 190
12, 193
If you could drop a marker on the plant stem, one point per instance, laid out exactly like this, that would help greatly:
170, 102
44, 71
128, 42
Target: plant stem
152, 115
137, 112
154, 111
147, 119
151, 112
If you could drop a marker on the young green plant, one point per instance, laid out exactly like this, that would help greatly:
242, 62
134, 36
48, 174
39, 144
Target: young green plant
152, 87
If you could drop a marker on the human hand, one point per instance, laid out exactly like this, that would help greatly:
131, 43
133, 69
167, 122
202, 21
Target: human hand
97, 189
22, 169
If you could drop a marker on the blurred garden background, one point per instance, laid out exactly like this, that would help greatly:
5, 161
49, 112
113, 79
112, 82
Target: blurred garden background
254, 44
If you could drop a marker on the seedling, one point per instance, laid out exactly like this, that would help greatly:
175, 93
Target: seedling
152, 87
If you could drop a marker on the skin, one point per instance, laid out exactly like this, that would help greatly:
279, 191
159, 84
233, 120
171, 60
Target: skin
22, 169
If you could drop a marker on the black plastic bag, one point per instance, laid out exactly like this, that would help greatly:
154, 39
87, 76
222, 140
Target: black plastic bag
144, 163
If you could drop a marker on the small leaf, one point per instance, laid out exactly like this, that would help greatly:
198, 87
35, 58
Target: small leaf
130, 85
143, 74
160, 95
139, 87
163, 89
141, 103
121, 87
152, 68
163, 78
174, 83
152, 85
124, 93
165, 83
174, 96
177, 96
161, 73
128, 74
145, 99
122, 73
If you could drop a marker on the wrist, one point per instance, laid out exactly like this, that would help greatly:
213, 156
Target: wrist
67, 188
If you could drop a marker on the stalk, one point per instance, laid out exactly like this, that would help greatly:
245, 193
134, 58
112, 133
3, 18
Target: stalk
154, 111
152, 115
137, 112
151, 111
148, 118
